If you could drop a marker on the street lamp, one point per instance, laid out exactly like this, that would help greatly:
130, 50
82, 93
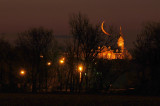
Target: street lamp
80, 69
49, 63
61, 61
61, 68
41, 56
22, 72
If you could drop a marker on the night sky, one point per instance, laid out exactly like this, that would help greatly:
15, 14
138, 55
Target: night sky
19, 15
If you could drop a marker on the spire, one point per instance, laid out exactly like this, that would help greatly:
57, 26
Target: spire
121, 35
120, 31
121, 40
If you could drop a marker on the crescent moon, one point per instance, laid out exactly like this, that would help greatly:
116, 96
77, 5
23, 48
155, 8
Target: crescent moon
103, 29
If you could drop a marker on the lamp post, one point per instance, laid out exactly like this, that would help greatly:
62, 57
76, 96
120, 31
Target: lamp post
61, 62
22, 74
46, 74
80, 69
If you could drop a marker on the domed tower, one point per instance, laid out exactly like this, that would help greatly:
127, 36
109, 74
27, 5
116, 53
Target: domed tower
121, 41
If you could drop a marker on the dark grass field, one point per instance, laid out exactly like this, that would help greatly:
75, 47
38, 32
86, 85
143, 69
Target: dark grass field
76, 99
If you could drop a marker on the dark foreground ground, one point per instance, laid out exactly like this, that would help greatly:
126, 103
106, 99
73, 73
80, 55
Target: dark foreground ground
76, 99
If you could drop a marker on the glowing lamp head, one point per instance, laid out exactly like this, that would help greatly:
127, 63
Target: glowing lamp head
80, 68
22, 72
48, 63
61, 61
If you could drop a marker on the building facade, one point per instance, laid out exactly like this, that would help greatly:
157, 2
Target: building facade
108, 53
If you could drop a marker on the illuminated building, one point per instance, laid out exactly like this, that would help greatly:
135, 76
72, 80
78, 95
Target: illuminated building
108, 53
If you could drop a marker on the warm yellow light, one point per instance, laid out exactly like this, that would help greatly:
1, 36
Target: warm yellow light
48, 63
41, 56
80, 68
109, 55
22, 72
61, 61
120, 44
114, 57
120, 41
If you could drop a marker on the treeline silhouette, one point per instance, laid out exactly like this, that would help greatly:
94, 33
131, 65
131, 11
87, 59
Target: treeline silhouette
47, 67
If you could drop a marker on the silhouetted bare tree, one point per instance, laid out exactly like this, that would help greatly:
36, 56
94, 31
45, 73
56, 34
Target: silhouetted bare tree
87, 39
36, 46
7, 66
147, 56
